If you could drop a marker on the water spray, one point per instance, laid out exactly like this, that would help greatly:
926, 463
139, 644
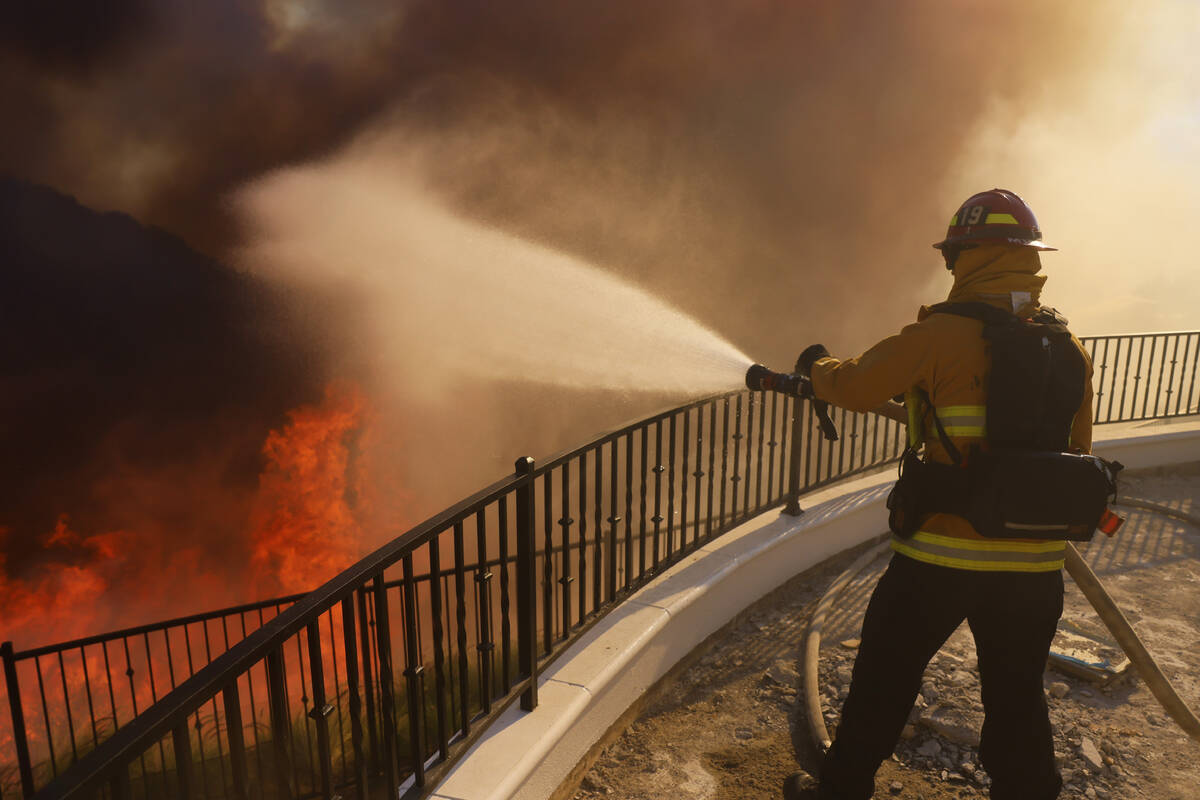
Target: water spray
761, 379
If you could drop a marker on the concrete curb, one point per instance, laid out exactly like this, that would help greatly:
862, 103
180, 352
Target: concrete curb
1154, 443
525, 756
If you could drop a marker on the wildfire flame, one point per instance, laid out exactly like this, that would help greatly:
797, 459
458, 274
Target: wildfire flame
302, 525
51, 598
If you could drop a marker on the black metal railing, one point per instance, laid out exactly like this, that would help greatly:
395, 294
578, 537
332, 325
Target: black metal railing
1145, 375
386, 673
87, 688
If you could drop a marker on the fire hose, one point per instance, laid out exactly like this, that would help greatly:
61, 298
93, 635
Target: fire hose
1089, 584
812, 644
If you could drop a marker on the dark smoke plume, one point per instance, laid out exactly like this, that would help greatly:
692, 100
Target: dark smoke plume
735, 144
758, 164
128, 359
73, 37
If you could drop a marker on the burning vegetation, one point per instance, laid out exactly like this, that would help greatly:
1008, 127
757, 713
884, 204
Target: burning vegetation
302, 527
178, 444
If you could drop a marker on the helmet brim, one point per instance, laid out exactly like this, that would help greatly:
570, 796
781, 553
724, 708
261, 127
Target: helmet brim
1036, 244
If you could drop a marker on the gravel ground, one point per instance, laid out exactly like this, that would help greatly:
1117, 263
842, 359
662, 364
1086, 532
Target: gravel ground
726, 724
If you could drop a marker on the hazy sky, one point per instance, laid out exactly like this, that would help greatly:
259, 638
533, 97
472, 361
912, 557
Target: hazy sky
769, 151
1114, 169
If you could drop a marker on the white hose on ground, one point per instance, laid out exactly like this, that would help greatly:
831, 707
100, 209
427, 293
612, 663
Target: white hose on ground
812, 643
1159, 508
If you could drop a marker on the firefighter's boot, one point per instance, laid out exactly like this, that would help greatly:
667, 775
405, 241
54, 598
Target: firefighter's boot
799, 786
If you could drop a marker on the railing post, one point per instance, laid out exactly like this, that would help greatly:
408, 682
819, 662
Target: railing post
118, 785
13, 687
413, 670
237, 740
526, 609
387, 686
364, 629
795, 468
280, 724
321, 709
349, 638
184, 774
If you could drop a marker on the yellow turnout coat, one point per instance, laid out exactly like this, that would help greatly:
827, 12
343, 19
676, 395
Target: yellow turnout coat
945, 355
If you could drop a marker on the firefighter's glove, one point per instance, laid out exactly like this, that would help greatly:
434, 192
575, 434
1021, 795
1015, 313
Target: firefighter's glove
810, 356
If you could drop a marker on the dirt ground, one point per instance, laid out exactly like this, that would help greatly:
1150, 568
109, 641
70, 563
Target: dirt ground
726, 724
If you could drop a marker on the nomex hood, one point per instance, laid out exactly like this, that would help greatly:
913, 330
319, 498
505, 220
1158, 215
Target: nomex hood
1002, 275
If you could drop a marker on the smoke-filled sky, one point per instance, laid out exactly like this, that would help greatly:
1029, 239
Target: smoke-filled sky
775, 169
758, 163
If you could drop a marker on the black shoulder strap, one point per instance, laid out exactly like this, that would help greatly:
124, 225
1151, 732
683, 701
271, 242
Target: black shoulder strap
1046, 315
991, 315
951, 450
985, 313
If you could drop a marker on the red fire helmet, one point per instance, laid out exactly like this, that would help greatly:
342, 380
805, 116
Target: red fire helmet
995, 216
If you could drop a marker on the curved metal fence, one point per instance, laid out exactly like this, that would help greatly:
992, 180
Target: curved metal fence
384, 675
1144, 375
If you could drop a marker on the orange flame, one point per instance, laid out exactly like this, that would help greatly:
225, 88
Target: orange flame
304, 524
301, 526
52, 598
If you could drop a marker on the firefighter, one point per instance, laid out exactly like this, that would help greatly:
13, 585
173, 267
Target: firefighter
1010, 591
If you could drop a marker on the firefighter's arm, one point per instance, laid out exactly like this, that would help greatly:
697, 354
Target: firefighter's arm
889, 368
1081, 426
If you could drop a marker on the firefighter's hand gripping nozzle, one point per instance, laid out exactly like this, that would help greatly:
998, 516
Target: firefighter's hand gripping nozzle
761, 379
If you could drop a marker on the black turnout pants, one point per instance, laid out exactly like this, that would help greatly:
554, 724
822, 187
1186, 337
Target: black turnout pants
914, 609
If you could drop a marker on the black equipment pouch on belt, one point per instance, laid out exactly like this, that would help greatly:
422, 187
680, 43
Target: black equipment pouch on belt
1018, 494
907, 504
1025, 486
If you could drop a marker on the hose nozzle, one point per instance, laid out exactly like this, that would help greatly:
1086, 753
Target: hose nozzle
761, 379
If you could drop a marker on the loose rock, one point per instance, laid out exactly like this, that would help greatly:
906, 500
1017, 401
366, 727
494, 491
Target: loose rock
930, 748
783, 673
956, 724
1091, 755
592, 784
